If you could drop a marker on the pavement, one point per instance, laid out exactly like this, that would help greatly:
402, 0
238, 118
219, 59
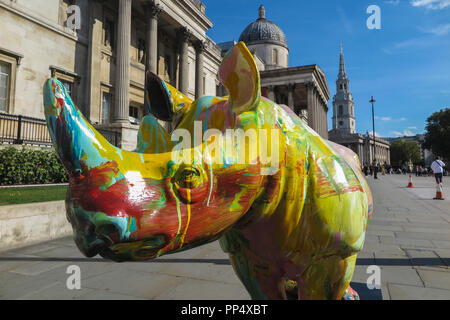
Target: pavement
408, 239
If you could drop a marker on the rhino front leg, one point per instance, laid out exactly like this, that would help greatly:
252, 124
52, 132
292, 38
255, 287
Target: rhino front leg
261, 281
328, 278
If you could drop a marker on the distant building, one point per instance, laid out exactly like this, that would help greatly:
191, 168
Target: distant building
344, 124
304, 89
427, 155
103, 63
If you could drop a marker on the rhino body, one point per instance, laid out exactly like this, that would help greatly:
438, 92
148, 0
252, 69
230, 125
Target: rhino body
291, 228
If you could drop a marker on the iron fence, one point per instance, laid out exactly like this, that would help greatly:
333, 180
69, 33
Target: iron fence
18, 129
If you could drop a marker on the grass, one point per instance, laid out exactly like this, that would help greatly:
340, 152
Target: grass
31, 194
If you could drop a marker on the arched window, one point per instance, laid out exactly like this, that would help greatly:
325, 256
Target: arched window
341, 110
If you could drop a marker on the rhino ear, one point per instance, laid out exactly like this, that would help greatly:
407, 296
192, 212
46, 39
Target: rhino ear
162, 100
239, 74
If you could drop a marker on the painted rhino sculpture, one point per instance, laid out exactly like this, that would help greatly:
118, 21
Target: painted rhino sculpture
292, 225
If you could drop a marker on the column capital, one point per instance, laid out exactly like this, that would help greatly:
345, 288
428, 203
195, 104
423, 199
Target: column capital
184, 34
153, 10
310, 84
291, 86
200, 46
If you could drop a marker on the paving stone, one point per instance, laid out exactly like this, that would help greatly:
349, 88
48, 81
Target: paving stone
374, 227
105, 295
435, 279
407, 292
400, 275
444, 254
201, 290
426, 230
387, 259
37, 268
15, 286
424, 258
423, 235
441, 244
136, 284
56, 291
380, 233
406, 242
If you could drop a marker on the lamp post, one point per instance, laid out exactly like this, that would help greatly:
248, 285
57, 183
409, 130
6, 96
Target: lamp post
372, 101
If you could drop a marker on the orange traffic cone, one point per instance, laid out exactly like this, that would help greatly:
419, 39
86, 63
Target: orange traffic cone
410, 184
439, 193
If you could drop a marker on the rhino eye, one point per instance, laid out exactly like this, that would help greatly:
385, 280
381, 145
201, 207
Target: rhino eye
188, 178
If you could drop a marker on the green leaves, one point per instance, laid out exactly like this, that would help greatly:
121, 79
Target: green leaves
437, 137
403, 151
27, 166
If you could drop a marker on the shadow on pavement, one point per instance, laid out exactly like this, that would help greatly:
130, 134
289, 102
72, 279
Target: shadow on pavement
404, 262
213, 261
365, 293
361, 262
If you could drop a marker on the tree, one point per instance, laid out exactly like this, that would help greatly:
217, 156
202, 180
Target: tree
403, 151
437, 136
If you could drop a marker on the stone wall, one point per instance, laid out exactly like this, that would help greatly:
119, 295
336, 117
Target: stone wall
26, 224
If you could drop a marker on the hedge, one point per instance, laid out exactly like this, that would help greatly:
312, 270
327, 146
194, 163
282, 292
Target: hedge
27, 166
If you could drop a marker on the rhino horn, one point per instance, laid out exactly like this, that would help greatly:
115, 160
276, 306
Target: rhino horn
73, 137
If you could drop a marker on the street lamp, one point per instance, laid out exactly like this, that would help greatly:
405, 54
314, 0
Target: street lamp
372, 101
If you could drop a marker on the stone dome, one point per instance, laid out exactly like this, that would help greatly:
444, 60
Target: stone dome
263, 31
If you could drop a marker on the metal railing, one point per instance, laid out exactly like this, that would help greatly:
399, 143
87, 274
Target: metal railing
18, 129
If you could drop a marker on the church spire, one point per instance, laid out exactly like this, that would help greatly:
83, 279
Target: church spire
342, 74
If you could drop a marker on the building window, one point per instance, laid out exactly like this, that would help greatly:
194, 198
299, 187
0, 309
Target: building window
341, 123
68, 79
5, 85
168, 66
68, 85
204, 85
141, 51
106, 107
134, 112
341, 110
340, 86
109, 34
274, 56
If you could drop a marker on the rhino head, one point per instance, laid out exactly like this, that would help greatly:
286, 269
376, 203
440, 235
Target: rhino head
173, 192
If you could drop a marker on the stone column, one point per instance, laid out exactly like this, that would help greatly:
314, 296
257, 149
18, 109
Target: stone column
310, 102
271, 93
152, 10
183, 36
291, 89
199, 50
122, 92
317, 112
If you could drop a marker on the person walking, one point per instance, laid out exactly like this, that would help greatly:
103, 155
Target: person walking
375, 170
438, 170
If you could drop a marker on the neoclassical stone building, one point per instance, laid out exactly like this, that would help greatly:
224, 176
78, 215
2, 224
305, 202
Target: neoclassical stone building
344, 124
304, 89
103, 63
